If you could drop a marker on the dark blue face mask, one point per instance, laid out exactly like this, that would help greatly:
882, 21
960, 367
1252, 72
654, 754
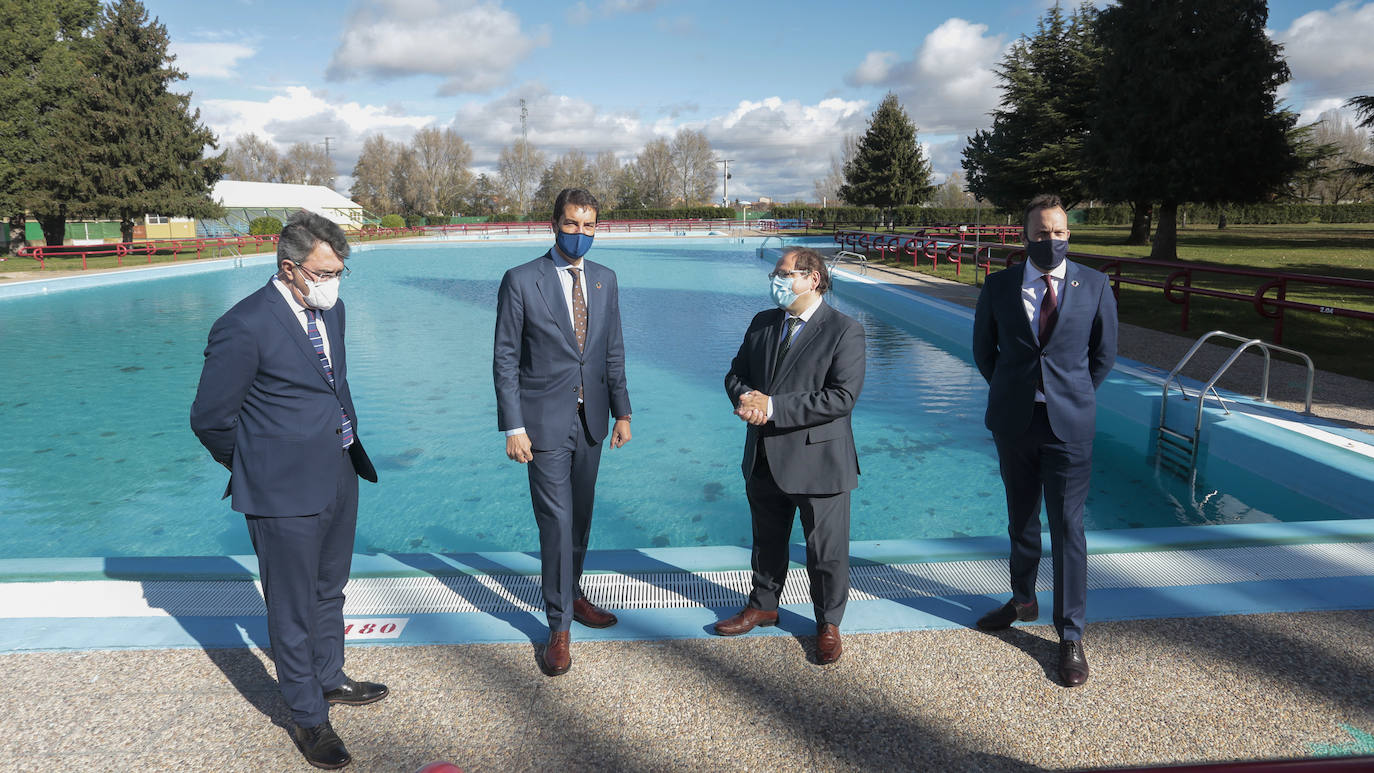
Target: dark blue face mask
572, 245
1047, 255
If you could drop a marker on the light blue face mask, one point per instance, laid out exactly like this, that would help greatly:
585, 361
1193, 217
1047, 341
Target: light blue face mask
573, 245
782, 292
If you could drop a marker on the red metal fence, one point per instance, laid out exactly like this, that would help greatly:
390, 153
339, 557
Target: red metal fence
178, 247
1180, 282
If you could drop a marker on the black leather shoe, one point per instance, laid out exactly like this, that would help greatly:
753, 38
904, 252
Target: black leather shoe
1073, 664
352, 693
321, 746
1010, 612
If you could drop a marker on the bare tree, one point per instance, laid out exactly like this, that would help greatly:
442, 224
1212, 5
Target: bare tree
441, 168
307, 164
405, 183
372, 176
1339, 181
694, 167
570, 170
253, 159
605, 180
953, 193
649, 181
828, 187
520, 167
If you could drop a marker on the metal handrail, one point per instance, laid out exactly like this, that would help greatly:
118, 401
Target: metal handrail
1210, 386
854, 257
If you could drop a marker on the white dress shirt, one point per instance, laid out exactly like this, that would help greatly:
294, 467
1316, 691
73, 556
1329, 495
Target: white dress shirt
1033, 292
805, 317
299, 311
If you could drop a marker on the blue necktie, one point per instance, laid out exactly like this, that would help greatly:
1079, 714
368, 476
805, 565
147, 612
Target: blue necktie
315, 338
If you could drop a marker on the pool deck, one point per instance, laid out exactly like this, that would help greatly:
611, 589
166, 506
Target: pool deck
1176, 678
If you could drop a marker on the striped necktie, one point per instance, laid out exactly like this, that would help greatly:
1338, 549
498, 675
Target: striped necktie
346, 433
787, 335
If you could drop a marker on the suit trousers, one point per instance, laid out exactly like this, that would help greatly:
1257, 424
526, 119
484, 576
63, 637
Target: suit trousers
1033, 465
825, 523
562, 491
304, 562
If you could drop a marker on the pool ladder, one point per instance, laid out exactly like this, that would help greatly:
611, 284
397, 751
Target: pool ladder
1179, 451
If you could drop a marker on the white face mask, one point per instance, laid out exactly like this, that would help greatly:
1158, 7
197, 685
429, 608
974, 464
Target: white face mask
323, 294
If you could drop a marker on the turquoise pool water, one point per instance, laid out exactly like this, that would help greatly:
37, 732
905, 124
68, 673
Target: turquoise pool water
98, 458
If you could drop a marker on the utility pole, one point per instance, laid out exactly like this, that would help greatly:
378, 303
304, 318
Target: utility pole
725, 180
326, 145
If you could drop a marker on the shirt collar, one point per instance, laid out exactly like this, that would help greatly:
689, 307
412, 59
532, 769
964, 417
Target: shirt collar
288, 295
560, 263
1033, 274
809, 310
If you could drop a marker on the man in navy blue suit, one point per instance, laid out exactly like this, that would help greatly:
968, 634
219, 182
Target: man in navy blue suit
558, 364
1044, 337
274, 408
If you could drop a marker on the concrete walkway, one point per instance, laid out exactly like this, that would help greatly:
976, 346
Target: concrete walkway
1162, 691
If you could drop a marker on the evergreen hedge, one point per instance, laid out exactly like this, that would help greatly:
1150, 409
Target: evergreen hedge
679, 213
903, 216
1247, 214
264, 226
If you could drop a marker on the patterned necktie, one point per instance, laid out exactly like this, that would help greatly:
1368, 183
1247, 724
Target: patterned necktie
787, 332
346, 434
1049, 311
579, 310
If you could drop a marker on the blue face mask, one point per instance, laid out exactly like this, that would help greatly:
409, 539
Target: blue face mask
782, 292
573, 245
1047, 255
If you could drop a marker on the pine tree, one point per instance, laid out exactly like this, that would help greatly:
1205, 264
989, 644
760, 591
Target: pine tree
131, 147
1186, 107
1035, 144
40, 66
889, 168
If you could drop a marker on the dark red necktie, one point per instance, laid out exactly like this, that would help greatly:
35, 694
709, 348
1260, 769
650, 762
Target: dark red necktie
1049, 311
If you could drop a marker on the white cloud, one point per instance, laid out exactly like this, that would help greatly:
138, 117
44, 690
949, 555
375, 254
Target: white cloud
472, 44
556, 125
875, 69
781, 146
297, 114
948, 86
1328, 52
581, 13
210, 60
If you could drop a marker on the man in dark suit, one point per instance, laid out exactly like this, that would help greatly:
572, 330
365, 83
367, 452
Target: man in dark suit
1044, 337
795, 380
559, 368
275, 409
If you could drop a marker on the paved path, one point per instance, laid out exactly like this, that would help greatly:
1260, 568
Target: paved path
1162, 691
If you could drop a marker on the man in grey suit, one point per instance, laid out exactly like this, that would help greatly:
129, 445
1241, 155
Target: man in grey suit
795, 380
1044, 337
559, 368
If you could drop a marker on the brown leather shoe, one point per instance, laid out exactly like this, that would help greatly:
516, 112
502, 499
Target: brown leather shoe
558, 653
745, 621
592, 616
828, 647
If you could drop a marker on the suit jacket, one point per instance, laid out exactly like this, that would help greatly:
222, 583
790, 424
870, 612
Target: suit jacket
536, 365
808, 443
266, 410
1078, 357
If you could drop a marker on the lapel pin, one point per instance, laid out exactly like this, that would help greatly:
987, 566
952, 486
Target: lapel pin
598, 285
1074, 283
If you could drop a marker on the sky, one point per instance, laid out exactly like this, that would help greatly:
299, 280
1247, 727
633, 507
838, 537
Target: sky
774, 86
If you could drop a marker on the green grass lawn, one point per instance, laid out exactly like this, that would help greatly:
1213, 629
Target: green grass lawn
1335, 344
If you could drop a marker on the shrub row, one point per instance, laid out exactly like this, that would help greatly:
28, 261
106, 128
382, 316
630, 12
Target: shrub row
264, 226
913, 215
1260, 214
680, 213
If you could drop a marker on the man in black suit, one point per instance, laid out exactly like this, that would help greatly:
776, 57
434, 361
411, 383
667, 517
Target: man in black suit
558, 364
1044, 337
795, 380
274, 408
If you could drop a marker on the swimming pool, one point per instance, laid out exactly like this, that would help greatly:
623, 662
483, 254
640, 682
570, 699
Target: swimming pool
98, 459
